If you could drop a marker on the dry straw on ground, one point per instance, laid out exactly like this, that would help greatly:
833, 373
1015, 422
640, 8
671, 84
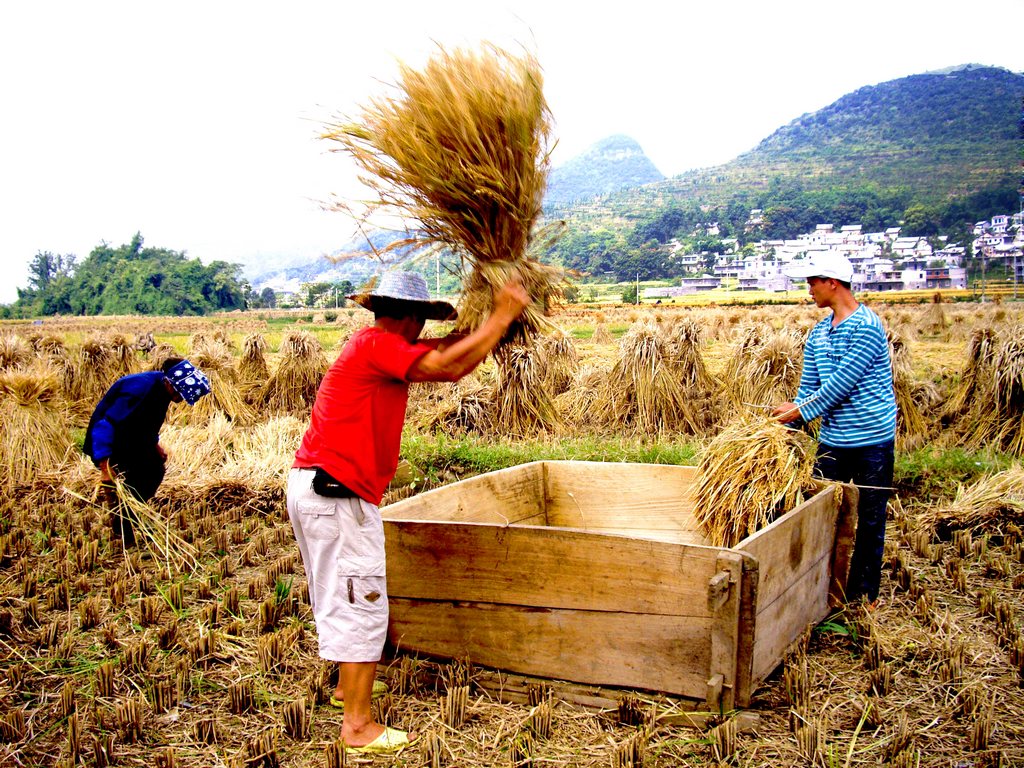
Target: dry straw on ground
461, 150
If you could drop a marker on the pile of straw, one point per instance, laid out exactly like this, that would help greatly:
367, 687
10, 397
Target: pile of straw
765, 367
752, 472
576, 404
462, 148
976, 372
14, 351
36, 437
453, 408
986, 505
700, 389
643, 390
213, 357
292, 387
561, 361
523, 406
252, 366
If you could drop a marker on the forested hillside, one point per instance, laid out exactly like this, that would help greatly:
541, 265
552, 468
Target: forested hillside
932, 153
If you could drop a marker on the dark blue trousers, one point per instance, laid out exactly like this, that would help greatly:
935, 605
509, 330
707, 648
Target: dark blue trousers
870, 468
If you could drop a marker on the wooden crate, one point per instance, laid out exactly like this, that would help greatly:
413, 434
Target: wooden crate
595, 572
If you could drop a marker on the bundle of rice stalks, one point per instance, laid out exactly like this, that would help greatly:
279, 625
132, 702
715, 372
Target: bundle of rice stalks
14, 351
977, 371
292, 387
561, 362
601, 334
750, 338
454, 408
214, 359
159, 354
522, 404
765, 367
686, 343
152, 530
643, 390
50, 346
700, 389
123, 360
911, 426
252, 366
996, 412
91, 371
752, 472
576, 404
985, 505
462, 148
36, 436
934, 319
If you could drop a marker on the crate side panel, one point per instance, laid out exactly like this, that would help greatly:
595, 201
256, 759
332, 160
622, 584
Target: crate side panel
546, 568
660, 653
512, 495
793, 545
780, 623
652, 500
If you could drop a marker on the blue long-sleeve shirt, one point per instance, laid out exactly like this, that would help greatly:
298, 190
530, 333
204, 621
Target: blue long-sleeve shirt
126, 423
847, 380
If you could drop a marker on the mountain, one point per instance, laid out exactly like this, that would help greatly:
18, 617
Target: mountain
931, 137
608, 166
932, 153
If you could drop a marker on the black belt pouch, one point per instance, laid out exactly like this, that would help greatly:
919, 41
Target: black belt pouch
325, 485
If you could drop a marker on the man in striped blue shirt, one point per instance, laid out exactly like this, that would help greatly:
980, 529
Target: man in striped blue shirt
847, 382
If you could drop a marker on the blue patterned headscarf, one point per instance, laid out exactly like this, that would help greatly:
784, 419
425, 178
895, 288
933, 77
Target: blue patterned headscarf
188, 381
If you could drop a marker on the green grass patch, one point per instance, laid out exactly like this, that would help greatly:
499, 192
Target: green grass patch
929, 474
439, 456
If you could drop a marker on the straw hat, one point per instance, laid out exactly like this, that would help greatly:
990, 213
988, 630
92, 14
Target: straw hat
409, 288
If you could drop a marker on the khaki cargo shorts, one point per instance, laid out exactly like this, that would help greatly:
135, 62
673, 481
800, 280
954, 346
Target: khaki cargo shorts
342, 545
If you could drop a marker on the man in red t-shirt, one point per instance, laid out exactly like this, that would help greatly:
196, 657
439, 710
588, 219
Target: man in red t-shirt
348, 456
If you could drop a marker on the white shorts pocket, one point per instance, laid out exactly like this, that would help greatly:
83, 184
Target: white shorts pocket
319, 519
366, 594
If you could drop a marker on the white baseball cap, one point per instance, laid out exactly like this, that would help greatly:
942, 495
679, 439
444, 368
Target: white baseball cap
822, 264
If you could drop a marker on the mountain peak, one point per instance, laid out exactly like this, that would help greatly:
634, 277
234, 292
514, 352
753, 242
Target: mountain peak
610, 165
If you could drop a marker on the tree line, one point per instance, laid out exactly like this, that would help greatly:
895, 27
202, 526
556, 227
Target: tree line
127, 280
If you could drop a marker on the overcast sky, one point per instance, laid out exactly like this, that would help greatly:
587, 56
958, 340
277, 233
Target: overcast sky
195, 122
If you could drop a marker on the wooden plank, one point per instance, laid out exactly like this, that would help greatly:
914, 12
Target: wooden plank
846, 534
724, 633
621, 497
793, 544
503, 497
622, 650
546, 568
781, 622
747, 632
